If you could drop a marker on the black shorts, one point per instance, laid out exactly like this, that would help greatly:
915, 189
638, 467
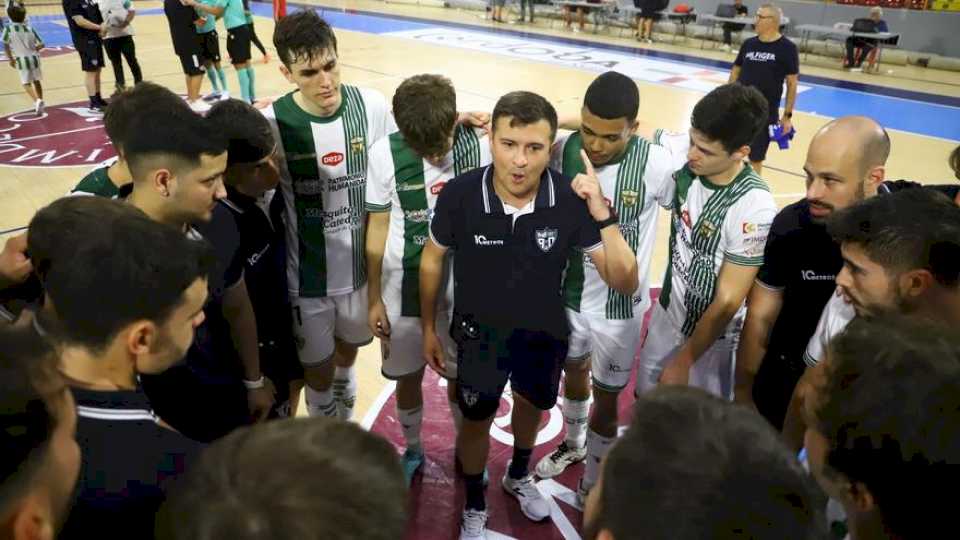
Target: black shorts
774, 384
758, 148
238, 44
280, 363
192, 64
488, 357
209, 46
91, 54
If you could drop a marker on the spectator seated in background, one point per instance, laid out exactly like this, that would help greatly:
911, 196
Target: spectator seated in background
865, 45
737, 9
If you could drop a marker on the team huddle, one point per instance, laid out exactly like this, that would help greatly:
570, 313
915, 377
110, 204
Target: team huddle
242, 257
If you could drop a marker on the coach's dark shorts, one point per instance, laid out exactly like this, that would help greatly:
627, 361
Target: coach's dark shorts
192, 64
238, 44
91, 54
488, 357
209, 46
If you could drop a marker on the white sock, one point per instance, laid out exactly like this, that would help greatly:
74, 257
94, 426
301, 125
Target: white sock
345, 391
456, 414
320, 403
597, 448
411, 422
575, 414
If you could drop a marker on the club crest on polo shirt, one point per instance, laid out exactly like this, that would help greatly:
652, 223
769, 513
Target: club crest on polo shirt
545, 237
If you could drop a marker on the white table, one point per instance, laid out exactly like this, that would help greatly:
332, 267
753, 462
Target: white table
714, 21
882, 38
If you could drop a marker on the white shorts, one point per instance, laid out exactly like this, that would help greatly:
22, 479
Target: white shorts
712, 372
316, 321
402, 354
30, 75
611, 345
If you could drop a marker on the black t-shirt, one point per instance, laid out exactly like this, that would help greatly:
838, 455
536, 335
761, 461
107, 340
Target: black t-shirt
182, 30
766, 65
127, 465
507, 273
802, 261
89, 10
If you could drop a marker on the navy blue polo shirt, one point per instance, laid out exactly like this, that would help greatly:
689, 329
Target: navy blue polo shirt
508, 272
127, 463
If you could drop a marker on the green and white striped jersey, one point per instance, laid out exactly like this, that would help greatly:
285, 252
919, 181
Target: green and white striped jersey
636, 185
406, 185
97, 183
323, 171
710, 225
23, 41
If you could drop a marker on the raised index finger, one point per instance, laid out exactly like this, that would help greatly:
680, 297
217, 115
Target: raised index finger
587, 166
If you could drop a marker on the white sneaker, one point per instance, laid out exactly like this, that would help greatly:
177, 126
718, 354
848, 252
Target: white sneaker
532, 503
224, 95
38, 107
473, 525
582, 492
553, 464
198, 106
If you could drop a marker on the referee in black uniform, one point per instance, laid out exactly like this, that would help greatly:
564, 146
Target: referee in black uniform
512, 226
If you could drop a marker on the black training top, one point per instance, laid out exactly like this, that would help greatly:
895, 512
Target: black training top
765, 66
182, 30
87, 9
507, 272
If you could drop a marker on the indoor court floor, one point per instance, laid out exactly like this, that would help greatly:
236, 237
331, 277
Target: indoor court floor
382, 43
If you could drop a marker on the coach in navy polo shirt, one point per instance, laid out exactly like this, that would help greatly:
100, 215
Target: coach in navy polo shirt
512, 226
124, 295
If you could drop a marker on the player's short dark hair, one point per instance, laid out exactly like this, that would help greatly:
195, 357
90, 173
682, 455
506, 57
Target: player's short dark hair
288, 480
694, 466
525, 108
248, 133
731, 114
29, 385
303, 35
613, 95
17, 12
889, 409
905, 230
955, 162
131, 103
175, 134
105, 264
425, 107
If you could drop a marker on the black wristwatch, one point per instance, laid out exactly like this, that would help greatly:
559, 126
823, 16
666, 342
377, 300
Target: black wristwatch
612, 220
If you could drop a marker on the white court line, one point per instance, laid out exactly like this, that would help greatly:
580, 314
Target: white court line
377, 406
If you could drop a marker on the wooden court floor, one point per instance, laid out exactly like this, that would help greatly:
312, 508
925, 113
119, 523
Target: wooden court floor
382, 62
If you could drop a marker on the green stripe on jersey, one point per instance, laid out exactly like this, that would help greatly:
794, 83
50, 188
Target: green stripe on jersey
355, 134
408, 170
628, 201
97, 183
466, 150
573, 279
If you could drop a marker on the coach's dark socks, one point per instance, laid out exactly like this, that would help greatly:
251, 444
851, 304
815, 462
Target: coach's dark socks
520, 462
475, 498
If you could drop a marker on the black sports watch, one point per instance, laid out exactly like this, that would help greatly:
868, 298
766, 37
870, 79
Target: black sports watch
612, 220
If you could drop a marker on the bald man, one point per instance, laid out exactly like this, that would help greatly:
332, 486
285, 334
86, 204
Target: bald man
845, 164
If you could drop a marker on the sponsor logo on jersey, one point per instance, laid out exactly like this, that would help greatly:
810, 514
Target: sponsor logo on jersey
810, 275
420, 239
436, 188
66, 135
758, 56
481, 240
546, 238
253, 259
417, 216
748, 228
357, 145
332, 159
629, 197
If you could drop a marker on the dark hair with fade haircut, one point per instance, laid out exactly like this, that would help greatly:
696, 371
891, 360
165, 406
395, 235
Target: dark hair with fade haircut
248, 133
955, 162
105, 264
303, 36
889, 408
905, 230
425, 107
17, 12
613, 95
177, 135
695, 466
29, 384
128, 105
731, 114
250, 485
525, 108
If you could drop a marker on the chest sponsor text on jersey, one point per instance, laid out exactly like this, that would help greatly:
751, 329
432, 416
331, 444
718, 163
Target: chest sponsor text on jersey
318, 186
337, 220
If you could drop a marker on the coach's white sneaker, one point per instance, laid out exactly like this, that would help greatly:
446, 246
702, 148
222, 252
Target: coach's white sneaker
473, 525
38, 107
553, 464
532, 503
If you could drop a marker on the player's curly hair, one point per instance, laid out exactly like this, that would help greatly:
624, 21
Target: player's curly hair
425, 107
